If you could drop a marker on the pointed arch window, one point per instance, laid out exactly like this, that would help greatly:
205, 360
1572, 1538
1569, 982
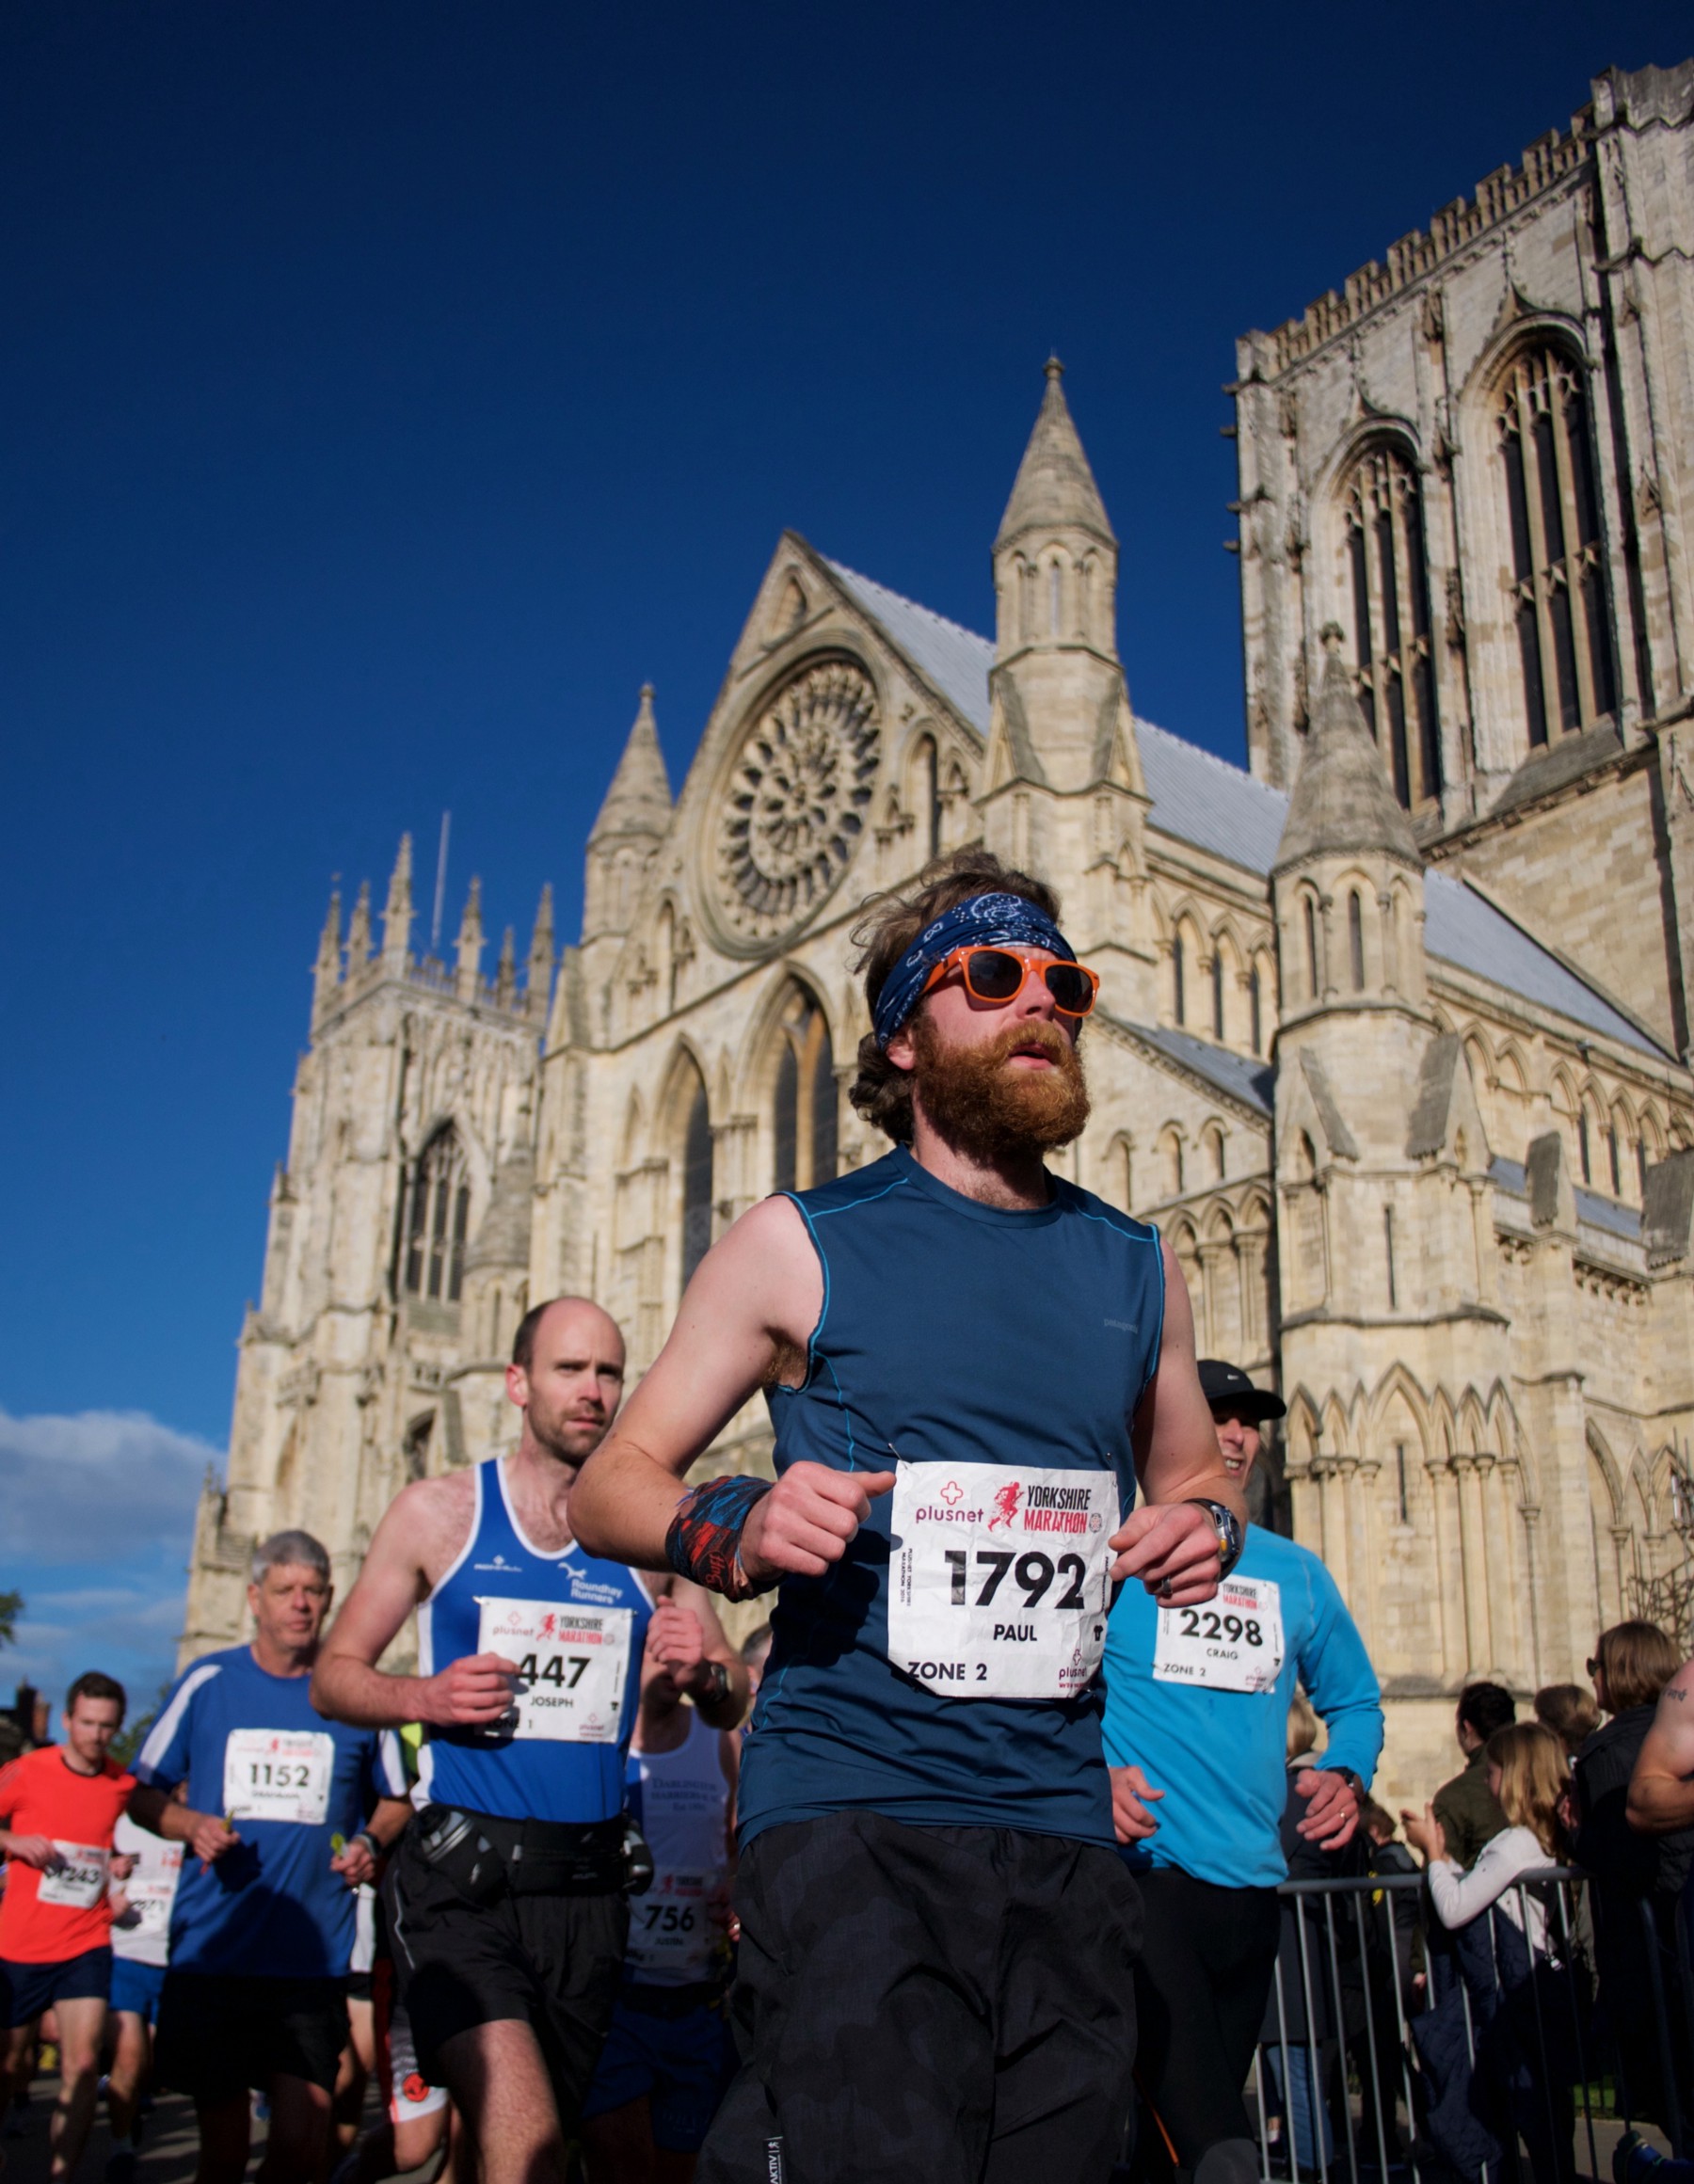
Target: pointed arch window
1391, 619
1355, 938
804, 1107
1217, 992
927, 780
1178, 980
1558, 580
1255, 1009
438, 1217
1311, 940
696, 1183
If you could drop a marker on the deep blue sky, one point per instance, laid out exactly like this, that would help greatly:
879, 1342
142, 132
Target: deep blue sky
389, 390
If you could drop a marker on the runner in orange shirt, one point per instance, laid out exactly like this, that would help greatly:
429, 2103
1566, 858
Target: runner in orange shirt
58, 1809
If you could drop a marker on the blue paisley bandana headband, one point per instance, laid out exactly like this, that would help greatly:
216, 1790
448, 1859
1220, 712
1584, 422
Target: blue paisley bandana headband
983, 921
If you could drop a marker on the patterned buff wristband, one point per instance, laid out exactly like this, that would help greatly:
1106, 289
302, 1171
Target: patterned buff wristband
704, 1540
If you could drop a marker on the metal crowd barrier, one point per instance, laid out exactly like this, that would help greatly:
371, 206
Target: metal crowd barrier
1364, 2092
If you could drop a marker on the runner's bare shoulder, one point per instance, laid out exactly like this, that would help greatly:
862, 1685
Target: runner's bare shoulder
430, 1521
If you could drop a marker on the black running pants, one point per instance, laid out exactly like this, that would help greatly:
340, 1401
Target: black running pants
954, 2005
1201, 1987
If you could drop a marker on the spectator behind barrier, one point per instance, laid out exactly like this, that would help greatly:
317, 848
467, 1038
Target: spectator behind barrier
1526, 2000
1569, 1711
1633, 1663
1468, 1814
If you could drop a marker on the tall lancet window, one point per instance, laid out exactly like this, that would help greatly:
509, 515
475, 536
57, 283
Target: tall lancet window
696, 1183
1558, 583
803, 1113
438, 1216
1391, 619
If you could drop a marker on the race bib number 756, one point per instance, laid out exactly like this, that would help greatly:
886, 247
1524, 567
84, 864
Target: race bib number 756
1000, 1578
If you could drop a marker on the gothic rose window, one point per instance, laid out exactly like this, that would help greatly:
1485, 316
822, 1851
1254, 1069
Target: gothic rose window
795, 800
438, 1217
804, 1108
1559, 597
1391, 619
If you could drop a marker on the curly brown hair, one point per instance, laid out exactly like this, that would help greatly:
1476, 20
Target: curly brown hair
890, 922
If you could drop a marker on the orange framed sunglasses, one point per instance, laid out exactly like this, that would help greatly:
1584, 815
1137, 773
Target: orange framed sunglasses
996, 976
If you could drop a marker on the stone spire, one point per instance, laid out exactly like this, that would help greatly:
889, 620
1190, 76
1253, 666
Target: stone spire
471, 943
397, 912
505, 977
359, 932
539, 983
326, 975
633, 821
1054, 488
639, 798
1342, 802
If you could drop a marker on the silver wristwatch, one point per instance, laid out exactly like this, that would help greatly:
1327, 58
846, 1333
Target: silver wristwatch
1228, 1528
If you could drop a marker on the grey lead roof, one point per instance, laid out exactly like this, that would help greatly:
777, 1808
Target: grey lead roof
1243, 1077
956, 660
1204, 800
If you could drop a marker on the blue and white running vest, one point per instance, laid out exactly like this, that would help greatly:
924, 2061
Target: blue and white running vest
681, 1802
946, 1671
574, 1627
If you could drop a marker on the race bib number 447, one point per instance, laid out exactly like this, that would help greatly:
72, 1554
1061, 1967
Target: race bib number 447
1000, 1578
1234, 1643
572, 1665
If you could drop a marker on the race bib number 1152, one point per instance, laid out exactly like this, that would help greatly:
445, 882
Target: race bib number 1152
1000, 1578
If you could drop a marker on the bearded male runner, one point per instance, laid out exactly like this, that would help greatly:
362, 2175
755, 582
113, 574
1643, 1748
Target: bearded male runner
506, 1912
969, 1361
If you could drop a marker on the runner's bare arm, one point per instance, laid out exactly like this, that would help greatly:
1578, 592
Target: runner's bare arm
1176, 1458
1661, 1790
207, 1834
424, 1529
744, 1323
702, 1640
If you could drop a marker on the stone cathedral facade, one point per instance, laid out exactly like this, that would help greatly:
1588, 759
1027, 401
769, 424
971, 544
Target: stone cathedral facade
1393, 1032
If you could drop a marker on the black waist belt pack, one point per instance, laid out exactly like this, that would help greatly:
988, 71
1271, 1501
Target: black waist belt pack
485, 1857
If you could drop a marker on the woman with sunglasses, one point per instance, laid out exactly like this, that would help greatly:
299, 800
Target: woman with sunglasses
969, 1362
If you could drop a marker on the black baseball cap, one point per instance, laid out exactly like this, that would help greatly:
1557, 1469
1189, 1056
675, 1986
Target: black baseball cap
1221, 1383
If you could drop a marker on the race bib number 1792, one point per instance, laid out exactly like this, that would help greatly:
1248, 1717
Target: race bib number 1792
1000, 1578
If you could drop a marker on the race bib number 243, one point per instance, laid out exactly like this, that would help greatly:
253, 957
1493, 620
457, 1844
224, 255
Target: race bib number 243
1000, 1578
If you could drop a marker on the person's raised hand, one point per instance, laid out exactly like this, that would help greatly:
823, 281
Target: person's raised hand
122, 1865
212, 1838
1130, 1819
808, 1519
678, 1640
1331, 1808
1173, 1543
1424, 1832
470, 1693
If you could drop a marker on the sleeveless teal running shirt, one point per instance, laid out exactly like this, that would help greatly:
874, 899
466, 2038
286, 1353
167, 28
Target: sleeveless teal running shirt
957, 1337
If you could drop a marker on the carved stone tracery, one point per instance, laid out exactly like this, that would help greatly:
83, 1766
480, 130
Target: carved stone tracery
796, 801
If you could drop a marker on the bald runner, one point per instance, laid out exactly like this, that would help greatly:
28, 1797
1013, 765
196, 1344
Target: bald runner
507, 1898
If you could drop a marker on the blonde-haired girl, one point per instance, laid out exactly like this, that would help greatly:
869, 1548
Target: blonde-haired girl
1527, 1771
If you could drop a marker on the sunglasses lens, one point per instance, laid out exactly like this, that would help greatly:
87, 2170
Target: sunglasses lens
995, 975
1070, 986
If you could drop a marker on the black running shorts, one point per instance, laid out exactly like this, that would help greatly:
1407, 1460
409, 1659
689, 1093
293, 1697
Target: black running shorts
951, 2003
556, 1962
218, 2035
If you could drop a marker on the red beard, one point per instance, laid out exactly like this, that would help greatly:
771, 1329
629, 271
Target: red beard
985, 1107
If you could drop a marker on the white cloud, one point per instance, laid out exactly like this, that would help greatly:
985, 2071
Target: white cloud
99, 1487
